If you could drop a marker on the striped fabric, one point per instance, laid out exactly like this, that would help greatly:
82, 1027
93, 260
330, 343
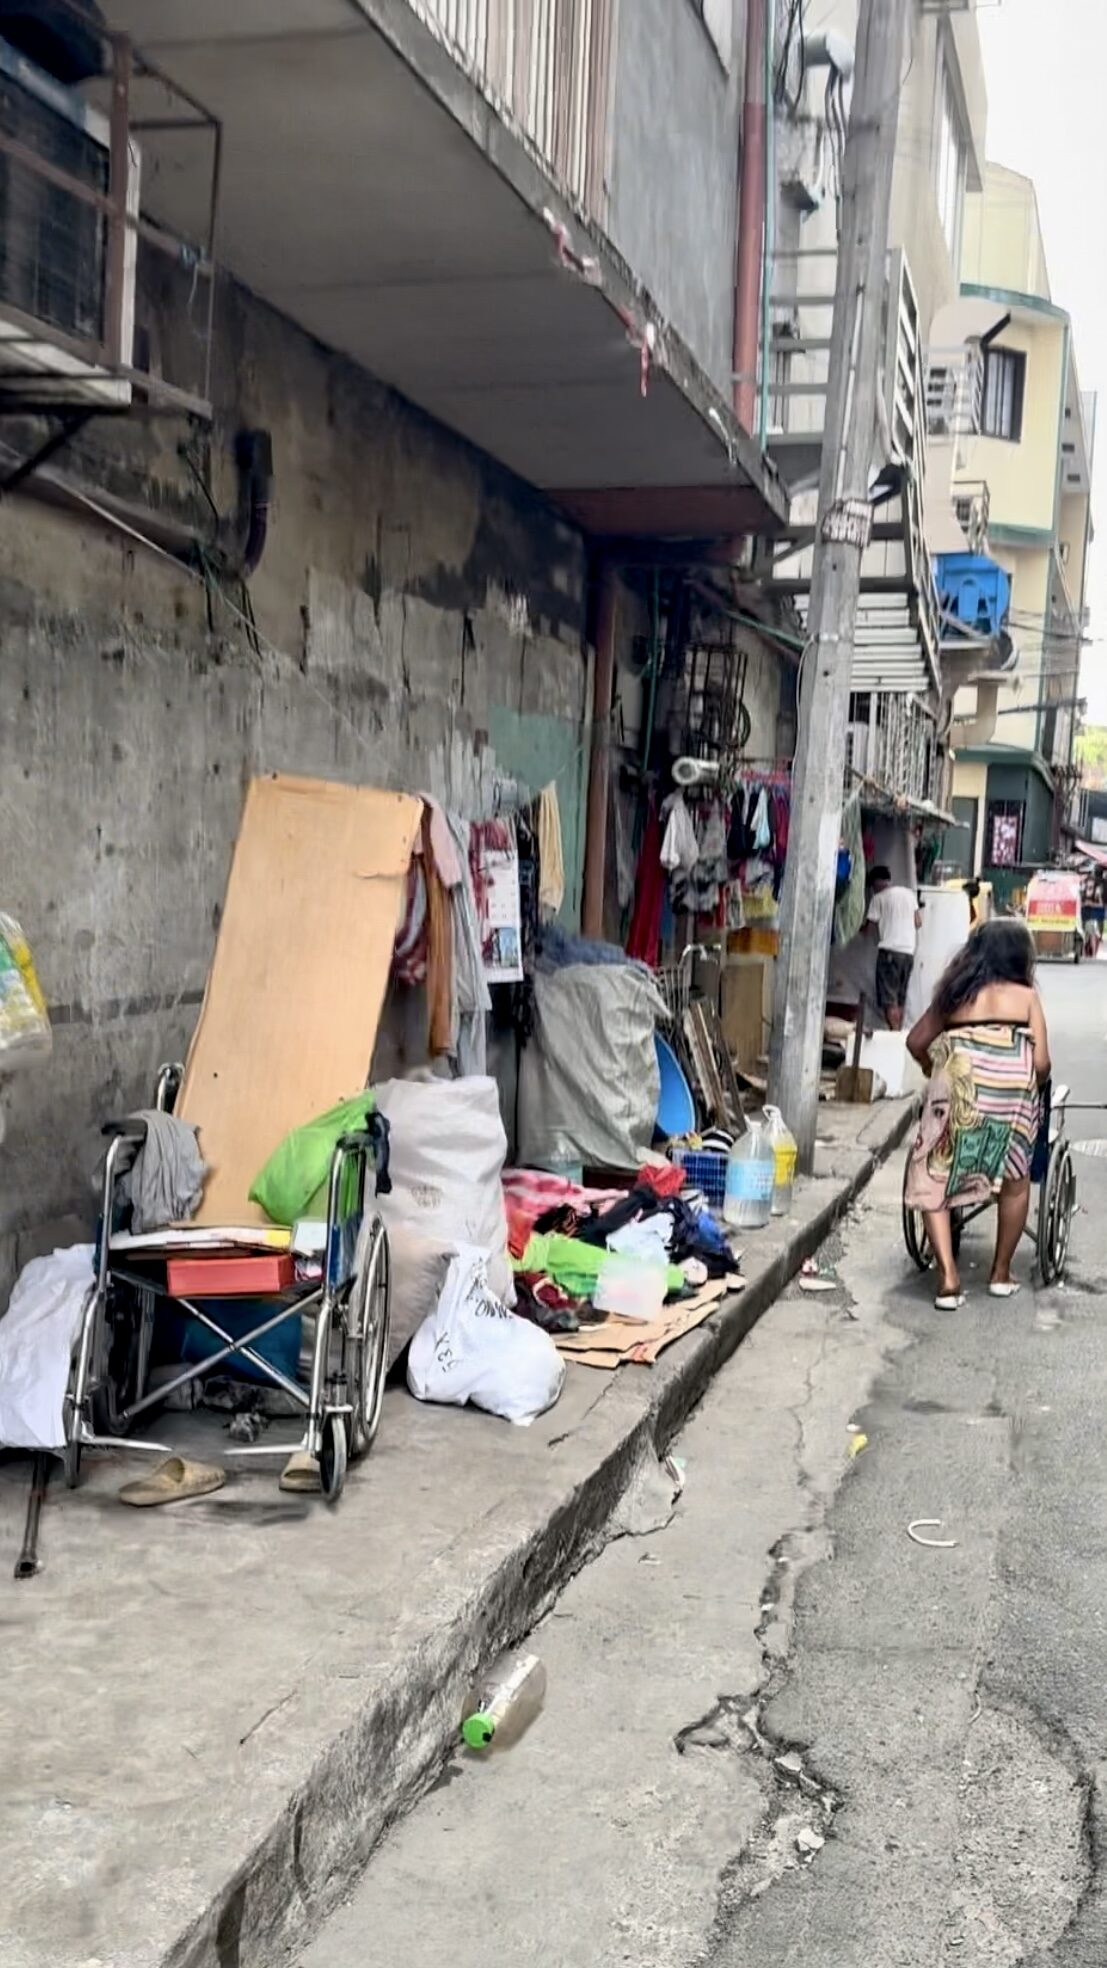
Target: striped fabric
979, 1121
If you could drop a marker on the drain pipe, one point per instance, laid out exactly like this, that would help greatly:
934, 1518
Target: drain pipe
751, 218
599, 772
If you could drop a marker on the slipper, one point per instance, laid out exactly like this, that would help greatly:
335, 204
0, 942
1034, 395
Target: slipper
1004, 1291
952, 1302
301, 1474
173, 1481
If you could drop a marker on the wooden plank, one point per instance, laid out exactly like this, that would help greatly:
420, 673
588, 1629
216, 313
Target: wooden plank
297, 983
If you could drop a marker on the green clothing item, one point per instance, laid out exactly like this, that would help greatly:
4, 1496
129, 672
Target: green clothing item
576, 1267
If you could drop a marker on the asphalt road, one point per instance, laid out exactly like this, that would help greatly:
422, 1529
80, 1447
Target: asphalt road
778, 1731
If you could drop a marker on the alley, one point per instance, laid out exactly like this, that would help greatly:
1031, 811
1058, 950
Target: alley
779, 1731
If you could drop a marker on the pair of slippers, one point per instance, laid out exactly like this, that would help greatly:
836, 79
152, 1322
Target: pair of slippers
178, 1478
952, 1301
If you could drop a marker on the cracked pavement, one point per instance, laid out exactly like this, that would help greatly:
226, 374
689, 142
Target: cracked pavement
779, 1732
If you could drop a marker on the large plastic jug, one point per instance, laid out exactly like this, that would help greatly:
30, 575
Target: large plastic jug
750, 1170
783, 1143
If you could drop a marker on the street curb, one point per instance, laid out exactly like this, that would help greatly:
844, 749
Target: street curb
375, 1769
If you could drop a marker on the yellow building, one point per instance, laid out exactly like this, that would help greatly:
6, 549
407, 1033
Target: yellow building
1025, 454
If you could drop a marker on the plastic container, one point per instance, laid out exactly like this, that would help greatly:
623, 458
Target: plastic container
630, 1288
783, 1143
750, 1172
504, 1703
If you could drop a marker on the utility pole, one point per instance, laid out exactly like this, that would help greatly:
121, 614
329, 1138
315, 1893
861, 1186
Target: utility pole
842, 533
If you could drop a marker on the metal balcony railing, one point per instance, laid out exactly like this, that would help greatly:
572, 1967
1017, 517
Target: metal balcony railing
954, 390
546, 66
892, 746
972, 505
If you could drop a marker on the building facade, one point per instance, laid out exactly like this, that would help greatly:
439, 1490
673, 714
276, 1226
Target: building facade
399, 334
898, 710
1032, 447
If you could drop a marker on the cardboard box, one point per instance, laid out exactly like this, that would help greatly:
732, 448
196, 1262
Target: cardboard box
747, 1008
230, 1277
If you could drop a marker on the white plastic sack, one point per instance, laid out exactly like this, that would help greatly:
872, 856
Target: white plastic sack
588, 1079
447, 1152
473, 1349
37, 1336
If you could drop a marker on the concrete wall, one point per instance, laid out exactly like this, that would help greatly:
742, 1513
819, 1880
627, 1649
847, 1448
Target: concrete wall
422, 615
1003, 244
676, 117
1022, 477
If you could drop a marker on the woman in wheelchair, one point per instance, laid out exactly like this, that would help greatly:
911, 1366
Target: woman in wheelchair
984, 1048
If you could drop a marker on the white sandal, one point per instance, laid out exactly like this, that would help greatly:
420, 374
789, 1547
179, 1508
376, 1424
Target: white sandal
950, 1302
1004, 1291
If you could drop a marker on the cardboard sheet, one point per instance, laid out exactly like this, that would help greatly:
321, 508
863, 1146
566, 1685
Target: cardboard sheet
298, 979
608, 1344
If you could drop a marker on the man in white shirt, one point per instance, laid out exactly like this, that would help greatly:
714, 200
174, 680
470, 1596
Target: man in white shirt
894, 917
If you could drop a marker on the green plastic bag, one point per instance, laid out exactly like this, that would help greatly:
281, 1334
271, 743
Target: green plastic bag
293, 1183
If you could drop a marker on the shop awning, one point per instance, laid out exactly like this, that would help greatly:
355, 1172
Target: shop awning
1098, 855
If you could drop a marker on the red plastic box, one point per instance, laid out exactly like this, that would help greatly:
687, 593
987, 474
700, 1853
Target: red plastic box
230, 1277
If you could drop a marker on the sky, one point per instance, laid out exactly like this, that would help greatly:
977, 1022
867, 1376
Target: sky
1047, 117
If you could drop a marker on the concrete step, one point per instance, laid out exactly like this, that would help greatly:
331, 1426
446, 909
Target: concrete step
212, 1713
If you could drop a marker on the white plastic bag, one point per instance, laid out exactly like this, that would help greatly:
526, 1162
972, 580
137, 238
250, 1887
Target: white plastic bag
447, 1149
37, 1335
473, 1349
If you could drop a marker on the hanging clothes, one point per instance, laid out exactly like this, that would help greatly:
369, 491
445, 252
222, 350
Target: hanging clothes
551, 887
471, 997
644, 937
849, 914
440, 948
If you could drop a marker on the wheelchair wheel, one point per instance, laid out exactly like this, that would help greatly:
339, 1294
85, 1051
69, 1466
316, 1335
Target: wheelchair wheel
1056, 1205
917, 1241
332, 1457
365, 1337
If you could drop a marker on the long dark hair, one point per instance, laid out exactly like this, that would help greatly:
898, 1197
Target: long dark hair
997, 952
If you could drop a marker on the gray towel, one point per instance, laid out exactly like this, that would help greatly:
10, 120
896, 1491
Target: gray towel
165, 1181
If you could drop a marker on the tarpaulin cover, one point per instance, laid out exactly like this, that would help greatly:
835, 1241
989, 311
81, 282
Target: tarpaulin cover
588, 1080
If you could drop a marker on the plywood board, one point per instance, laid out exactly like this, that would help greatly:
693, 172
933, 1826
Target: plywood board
301, 965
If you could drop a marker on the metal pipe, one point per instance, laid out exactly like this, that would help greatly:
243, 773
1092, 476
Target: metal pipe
769, 239
26, 1565
119, 174
751, 219
603, 685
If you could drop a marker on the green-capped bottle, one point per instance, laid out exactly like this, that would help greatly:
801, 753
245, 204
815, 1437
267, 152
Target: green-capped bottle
504, 1703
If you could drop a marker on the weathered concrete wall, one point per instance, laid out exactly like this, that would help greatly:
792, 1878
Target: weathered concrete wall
422, 617
674, 169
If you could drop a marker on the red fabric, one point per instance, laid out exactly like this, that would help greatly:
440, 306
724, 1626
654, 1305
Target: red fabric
644, 940
529, 1193
665, 1180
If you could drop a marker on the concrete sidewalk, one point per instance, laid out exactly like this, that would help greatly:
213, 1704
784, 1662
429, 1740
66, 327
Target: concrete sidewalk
212, 1713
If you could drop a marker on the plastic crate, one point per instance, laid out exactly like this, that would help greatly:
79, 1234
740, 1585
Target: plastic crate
704, 1169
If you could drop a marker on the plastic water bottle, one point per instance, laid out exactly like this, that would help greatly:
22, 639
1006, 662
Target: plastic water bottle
504, 1703
750, 1172
783, 1143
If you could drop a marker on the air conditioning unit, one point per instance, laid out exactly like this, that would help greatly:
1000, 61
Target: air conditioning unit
54, 244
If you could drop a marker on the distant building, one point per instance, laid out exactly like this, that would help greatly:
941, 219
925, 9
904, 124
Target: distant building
1015, 778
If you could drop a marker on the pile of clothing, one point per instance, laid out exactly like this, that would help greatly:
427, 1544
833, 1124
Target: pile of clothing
580, 1253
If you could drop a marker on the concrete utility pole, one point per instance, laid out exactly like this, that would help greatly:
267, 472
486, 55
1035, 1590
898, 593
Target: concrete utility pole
845, 519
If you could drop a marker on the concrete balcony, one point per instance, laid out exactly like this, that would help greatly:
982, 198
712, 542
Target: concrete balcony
415, 182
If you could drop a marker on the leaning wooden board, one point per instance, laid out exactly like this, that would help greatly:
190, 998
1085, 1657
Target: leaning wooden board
300, 970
